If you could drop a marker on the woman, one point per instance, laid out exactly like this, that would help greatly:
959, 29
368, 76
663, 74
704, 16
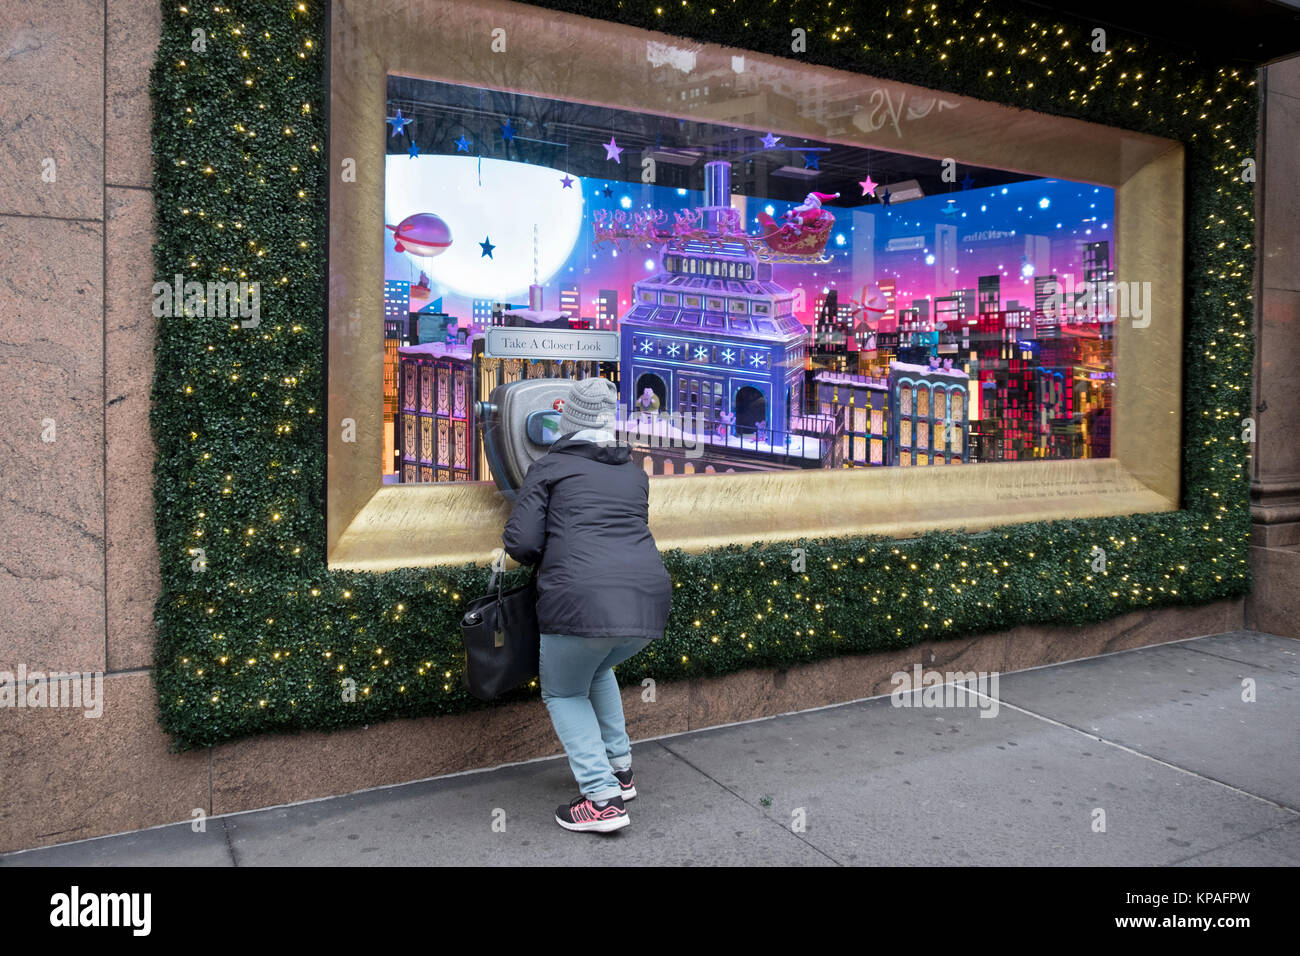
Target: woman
602, 594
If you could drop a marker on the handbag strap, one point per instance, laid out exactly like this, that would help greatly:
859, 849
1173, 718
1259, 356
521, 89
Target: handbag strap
495, 582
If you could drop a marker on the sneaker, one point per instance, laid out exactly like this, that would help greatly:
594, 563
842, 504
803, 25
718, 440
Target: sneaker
604, 817
627, 789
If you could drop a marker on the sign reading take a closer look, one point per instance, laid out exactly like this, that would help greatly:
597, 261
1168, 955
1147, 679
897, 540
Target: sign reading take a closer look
583, 345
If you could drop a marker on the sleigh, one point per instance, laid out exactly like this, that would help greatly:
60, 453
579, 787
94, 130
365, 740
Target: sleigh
792, 240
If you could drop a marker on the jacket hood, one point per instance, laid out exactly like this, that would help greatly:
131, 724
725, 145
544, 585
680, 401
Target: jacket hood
613, 454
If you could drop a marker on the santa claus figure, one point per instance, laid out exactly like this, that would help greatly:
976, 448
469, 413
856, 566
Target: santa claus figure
809, 215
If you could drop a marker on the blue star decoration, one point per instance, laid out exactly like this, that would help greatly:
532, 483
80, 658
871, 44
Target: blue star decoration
567, 181
950, 209
608, 191
507, 131
968, 181
810, 161
413, 150
398, 123
462, 144
884, 200
487, 247
769, 141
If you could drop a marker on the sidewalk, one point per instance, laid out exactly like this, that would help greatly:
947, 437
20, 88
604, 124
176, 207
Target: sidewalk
1158, 738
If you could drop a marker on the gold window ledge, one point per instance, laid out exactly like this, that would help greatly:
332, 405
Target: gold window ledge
376, 527
454, 523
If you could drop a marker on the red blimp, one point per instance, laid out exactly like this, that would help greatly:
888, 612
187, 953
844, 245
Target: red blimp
423, 234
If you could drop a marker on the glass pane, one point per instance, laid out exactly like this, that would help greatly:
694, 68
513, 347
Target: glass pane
977, 290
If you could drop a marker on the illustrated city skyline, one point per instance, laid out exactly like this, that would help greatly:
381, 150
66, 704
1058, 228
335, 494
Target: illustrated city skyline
927, 248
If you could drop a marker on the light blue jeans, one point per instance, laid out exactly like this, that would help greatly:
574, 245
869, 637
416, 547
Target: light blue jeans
582, 695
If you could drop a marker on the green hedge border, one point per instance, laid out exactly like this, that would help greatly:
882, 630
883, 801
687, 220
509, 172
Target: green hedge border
262, 638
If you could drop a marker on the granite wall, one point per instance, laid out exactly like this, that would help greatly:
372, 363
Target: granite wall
1275, 483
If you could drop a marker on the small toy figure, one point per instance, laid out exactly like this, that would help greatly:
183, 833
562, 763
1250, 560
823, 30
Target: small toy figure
760, 433
649, 401
934, 361
725, 421
947, 365
420, 291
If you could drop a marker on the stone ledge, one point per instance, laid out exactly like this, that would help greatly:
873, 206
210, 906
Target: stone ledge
116, 773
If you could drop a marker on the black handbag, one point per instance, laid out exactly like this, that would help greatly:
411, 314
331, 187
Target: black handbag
502, 638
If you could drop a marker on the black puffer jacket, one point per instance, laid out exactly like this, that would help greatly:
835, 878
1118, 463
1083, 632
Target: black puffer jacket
582, 512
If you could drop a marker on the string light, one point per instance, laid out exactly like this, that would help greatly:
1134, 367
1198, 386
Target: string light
226, 670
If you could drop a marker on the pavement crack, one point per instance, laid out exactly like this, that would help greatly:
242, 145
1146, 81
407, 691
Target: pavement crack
1240, 839
1003, 702
230, 845
719, 783
1233, 660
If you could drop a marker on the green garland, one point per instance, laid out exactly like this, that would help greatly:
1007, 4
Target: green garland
261, 636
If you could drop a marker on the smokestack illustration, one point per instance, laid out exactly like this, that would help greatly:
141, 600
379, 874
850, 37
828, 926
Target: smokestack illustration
535, 290
717, 192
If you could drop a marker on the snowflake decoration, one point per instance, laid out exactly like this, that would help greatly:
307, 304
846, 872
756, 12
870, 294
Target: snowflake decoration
647, 346
756, 360
728, 356
673, 349
701, 352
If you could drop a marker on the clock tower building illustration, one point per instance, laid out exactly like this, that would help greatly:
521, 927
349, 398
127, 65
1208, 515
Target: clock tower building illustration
712, 335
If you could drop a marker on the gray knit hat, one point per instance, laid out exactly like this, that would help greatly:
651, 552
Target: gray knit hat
591, 403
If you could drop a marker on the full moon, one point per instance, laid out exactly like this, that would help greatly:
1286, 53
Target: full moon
489, 199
